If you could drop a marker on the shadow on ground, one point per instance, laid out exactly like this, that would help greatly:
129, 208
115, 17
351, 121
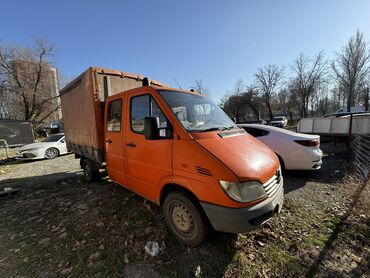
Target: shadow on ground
335, 166
361, 233
59, 224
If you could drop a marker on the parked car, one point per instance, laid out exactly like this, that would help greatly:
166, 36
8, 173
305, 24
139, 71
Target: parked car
176, 148
296, 151
50, 148
279, 121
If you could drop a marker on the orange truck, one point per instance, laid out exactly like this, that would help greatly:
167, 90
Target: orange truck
175, 148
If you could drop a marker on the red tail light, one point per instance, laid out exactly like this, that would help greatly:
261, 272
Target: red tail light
308, 143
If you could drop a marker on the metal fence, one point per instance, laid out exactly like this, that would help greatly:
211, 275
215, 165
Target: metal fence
361, 147
361, 154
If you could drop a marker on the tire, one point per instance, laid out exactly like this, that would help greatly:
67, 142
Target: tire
184, 219
90, 173
51, 153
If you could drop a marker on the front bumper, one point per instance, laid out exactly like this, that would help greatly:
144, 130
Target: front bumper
308, 159
278, 124
29, 155
240, 220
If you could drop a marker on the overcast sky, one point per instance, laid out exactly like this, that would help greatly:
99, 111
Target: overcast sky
214, 41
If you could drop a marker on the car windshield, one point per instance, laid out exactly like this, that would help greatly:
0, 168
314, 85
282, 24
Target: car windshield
53, 138
197, 113
278, 119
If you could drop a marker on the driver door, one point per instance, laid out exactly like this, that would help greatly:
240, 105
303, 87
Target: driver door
148, 161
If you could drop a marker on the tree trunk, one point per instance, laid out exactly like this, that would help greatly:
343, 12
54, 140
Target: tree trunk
270, 111
349, 99
366, 100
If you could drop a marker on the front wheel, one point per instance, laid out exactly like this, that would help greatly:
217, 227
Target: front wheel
51, 153
184, 219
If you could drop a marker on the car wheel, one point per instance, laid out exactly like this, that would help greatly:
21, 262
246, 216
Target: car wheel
51, 153
89, 172
184, 219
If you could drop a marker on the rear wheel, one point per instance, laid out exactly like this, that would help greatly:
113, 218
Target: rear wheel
51, 153
184, 219
91, 174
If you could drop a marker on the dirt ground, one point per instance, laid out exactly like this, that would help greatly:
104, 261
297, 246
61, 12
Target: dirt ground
59, 225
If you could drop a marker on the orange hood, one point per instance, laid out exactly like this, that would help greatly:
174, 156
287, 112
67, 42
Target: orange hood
246, 156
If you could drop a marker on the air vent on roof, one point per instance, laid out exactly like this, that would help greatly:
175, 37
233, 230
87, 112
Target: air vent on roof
203, 171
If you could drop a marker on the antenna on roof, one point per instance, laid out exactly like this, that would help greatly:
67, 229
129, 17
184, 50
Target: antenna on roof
176, 82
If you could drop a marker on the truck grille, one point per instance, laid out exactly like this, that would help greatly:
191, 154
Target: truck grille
273, 184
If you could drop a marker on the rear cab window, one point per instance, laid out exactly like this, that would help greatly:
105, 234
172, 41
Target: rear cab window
114, 115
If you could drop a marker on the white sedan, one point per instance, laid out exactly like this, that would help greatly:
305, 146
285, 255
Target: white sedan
296, 151
50, 148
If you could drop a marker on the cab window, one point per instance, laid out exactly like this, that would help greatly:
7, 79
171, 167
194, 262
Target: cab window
114, 115
145, 106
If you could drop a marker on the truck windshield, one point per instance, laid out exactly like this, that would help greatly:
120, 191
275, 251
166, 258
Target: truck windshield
197, 113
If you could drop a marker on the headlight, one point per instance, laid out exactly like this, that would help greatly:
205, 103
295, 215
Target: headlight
243, 191
27, 150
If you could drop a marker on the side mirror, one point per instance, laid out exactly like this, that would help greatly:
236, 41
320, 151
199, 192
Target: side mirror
152, 130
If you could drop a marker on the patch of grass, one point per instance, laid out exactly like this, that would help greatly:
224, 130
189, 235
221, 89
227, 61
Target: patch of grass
274, 261
315, 239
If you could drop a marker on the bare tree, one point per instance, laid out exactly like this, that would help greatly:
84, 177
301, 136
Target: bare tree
352, 66
239, 87
308, 71
232, 102
233, 106
243, 103
268, 80
26, 80
198, 87
283, 97
252, 100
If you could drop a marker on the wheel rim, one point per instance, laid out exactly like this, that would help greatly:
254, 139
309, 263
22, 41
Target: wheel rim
87, 171
182, 218
51, 153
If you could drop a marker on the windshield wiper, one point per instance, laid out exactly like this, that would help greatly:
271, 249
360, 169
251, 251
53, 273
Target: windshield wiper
215, 128
227, 128
210, 129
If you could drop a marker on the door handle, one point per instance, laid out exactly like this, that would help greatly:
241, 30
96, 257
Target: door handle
131, 145
108, 141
